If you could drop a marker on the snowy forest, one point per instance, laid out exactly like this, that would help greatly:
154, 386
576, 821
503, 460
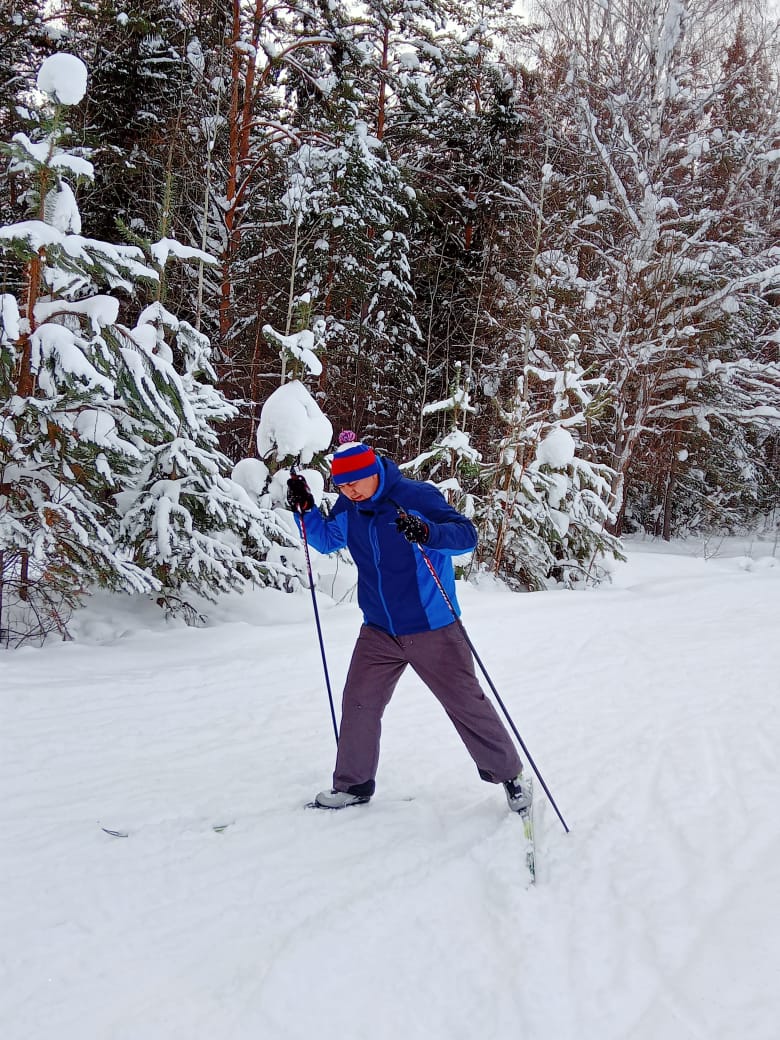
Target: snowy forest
534, 257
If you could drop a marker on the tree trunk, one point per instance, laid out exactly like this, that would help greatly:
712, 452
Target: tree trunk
671, 482
382, 102
25, 382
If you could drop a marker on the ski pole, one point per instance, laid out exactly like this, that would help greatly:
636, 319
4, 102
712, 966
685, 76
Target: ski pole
490, 683
317, 621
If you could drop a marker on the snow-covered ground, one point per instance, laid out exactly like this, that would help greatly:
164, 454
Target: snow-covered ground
651, 707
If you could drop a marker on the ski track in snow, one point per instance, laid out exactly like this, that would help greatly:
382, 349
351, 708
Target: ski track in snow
650, 707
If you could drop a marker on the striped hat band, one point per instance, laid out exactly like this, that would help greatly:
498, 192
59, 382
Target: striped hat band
353, 462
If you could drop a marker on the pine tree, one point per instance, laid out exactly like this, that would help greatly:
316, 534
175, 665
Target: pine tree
66, 444
267, 59
134, 117
95, 414
23, 41
184, 520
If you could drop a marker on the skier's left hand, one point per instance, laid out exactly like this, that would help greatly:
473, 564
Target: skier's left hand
413, 528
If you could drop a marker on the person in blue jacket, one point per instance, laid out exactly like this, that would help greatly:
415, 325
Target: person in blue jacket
383, 518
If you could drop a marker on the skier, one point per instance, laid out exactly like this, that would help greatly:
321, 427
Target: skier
383, 518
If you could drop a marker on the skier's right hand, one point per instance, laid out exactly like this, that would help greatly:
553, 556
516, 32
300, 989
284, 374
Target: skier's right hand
299, 496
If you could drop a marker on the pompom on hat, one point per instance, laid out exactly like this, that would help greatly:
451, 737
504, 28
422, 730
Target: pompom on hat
352, 460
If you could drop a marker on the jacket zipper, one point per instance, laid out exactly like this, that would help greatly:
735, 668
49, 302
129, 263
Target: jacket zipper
375, 548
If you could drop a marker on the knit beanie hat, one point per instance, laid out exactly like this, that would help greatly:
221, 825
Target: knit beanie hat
352, 460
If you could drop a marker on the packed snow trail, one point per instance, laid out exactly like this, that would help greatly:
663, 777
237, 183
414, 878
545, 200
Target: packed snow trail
650, 707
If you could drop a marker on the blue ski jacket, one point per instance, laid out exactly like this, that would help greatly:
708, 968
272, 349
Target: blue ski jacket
396, 590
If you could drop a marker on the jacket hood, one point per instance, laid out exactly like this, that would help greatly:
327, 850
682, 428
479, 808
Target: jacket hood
389, 477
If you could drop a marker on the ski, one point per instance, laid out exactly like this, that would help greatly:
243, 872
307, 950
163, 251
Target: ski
526, 815
217, 828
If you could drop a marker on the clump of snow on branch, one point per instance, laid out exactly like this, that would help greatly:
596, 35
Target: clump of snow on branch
64, 78
557, 449
294, 431
252, 476
167, 247
458, 401
10, 327
298, 345
292, 425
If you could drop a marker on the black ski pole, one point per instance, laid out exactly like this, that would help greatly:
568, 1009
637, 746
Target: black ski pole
490, 683
317, 621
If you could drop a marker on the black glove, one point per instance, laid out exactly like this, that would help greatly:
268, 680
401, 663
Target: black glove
299, 496
412, 528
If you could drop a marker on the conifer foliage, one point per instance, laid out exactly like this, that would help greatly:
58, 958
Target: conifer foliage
546, 513
538, 261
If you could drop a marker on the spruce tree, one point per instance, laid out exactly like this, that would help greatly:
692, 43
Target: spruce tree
460, 131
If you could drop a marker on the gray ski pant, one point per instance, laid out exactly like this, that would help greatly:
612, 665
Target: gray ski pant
444, 662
